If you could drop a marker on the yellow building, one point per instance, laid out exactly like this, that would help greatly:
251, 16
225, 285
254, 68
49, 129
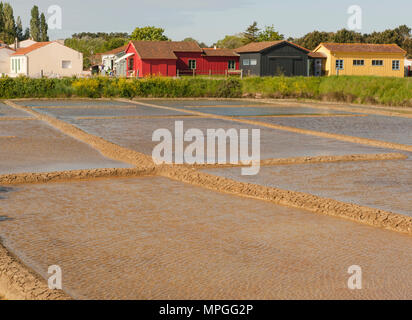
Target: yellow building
361, 59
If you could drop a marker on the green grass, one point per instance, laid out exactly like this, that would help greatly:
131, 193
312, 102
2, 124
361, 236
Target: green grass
364, 90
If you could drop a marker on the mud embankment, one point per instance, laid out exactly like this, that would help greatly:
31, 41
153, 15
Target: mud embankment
17, 282
369, 216
60, 176
317, 159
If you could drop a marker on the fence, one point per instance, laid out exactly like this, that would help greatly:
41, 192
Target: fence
210, 73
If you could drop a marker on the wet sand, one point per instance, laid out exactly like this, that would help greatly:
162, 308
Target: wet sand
391, 129
148, 237
33, 146
377, 184
136, 134
136, 246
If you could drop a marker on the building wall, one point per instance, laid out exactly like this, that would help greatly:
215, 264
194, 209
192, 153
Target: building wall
367, 69
49, 60
219, 65
252, 70
284, 58
5, 60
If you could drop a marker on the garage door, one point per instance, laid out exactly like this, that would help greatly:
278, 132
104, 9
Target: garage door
287, 67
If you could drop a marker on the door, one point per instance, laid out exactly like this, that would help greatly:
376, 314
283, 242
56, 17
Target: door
279, 67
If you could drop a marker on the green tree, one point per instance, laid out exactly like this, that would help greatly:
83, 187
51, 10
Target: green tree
1, 19
201, 44
26, 34
313, 39
19, 29
9, 32
269, 34
251, 33
231, 42
35, 24
43, 28
149, 33
347, 36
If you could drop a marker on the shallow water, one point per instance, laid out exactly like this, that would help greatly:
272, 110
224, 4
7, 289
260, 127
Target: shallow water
115, 111
7, 111
122, 239
385, 185
389, 129
33, 146
137, 134
70, 102
200, 102
273, 111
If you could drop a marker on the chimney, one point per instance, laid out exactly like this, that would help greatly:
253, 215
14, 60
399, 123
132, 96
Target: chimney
215, 48
16, 43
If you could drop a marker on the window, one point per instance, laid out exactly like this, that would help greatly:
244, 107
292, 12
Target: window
339, 64
253, 62
66, 64
15, 65
358, 62
131, 64
246, 62
192, 64
377, 63
396, 65
231, 65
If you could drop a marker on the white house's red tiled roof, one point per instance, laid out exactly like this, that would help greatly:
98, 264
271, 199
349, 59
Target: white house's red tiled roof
24, 51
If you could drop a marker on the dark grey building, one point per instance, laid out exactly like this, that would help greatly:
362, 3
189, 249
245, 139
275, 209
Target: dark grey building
274, 58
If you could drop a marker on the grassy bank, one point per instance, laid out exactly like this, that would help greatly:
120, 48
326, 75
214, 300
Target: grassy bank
366, 90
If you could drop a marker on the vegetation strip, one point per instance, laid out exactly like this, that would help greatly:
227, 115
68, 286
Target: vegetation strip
45, 177
341, 137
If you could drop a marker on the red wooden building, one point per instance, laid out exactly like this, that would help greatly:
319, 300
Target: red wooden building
167, 58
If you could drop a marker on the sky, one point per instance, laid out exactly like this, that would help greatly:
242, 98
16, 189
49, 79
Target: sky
211, 20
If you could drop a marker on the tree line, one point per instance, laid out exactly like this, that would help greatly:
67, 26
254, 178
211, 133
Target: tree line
11, 28
91, 44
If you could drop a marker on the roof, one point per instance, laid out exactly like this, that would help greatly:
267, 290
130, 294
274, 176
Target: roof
24, 51
211, 52
114, 51
164, 49
261, 46
317, 55
363, 47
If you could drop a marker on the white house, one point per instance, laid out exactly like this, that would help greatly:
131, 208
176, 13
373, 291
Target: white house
408, 67
112, 63
25, 43
5, 53
49, 59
